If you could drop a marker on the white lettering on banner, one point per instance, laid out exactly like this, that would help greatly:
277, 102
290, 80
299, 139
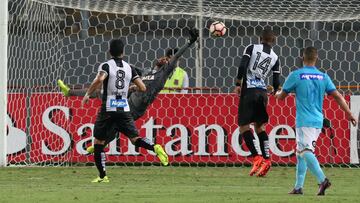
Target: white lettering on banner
80, 145
112, 148
57, 130
273, 136
236, 144
151, 129
183, 139
16, 138
220, 140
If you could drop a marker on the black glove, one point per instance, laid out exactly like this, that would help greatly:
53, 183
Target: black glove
194, 34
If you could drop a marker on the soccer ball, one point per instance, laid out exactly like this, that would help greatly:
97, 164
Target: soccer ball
217, 29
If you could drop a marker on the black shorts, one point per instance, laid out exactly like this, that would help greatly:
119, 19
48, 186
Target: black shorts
252, 107
109, 124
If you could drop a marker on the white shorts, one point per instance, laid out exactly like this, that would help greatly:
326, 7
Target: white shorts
306, 138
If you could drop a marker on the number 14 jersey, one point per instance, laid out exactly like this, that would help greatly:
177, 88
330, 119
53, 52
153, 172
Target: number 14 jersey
116, 85
262, 60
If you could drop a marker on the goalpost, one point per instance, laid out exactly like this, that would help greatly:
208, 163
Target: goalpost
68, 39
3, 81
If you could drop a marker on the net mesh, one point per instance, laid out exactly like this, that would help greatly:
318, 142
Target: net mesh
50, 40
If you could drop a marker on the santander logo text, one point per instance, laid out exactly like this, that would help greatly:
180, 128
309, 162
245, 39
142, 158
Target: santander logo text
192, 128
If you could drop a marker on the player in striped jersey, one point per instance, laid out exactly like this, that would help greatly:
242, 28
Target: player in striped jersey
114, 76
257, 61
154, 80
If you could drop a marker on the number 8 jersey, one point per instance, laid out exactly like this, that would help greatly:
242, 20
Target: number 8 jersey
116, 85
262, 60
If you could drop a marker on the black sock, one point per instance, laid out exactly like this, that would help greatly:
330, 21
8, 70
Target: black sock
99, 156
264, 144
144, 143
249, 141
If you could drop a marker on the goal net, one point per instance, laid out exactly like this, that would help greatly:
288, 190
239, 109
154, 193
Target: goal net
67, 39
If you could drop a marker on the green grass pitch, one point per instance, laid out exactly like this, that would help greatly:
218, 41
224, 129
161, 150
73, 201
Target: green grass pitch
170, 184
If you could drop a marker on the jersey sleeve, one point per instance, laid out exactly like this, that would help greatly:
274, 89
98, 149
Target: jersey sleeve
276, 67
330, 87
290, 83
244, 62
134, 74
104, 67
248, 50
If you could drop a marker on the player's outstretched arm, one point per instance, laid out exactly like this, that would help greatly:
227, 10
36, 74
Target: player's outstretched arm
96, 84
140, 85
342, 103
194, 34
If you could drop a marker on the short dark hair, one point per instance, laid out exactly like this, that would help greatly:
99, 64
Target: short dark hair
267, 36
171, 52
310, 54
116, 47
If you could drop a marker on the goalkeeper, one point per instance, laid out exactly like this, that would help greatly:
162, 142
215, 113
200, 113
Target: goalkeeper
154, 81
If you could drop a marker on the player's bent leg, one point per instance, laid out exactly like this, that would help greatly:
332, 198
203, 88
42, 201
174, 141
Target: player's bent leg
147, 144
315, 169
248, 137
264, 147
63, 88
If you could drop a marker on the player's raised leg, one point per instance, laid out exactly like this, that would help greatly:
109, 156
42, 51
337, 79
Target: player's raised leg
64, 88
147, 144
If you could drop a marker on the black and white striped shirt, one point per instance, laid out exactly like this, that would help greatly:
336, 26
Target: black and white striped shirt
116, 85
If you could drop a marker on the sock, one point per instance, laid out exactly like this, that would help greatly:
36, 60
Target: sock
249, 141
99, 156
264, 144
300, 172
144, 143
314, 166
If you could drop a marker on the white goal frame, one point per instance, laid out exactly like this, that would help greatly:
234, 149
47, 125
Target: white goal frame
3, 80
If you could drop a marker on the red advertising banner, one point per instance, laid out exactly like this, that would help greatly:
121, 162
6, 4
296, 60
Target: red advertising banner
193, 128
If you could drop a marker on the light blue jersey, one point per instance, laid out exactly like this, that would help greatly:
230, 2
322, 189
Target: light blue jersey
309, 85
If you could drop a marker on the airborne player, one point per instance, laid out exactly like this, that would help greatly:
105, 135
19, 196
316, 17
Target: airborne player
154, 80
258, 60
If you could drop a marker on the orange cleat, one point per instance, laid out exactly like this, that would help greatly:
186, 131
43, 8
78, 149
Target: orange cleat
257, 162
264, 168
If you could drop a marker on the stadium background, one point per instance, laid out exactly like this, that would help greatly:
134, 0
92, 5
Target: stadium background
70, 44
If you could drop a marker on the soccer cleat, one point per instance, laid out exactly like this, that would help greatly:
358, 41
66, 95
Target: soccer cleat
296, 192
323, 186
101, 180
64, 88
161, 154
265, 167
90, 149
258, 160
